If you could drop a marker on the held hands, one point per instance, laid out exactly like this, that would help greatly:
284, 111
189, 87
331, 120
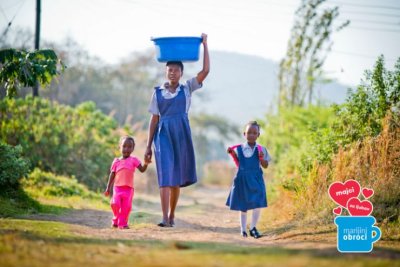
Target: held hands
147, 155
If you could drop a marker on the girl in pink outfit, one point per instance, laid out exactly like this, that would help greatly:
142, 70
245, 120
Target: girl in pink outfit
121, 178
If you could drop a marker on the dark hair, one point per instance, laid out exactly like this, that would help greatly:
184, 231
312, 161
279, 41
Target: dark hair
179, 63
253, 123
126, 137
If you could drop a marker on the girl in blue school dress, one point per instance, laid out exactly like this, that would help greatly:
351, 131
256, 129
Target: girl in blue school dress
248, 188
170, 134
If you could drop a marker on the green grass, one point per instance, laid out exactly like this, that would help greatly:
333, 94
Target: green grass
29, 242
33, 243
18, 202
62, 191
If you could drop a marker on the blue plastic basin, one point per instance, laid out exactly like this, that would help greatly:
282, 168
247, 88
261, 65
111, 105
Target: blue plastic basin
177, 48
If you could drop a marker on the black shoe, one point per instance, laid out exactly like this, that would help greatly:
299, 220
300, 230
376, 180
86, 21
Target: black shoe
244, 234
163, 224
254, 233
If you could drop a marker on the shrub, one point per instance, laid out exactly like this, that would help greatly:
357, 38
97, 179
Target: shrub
50, 184
61, 139
13, 167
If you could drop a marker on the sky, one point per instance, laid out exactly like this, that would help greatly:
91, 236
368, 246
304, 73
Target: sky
112, 29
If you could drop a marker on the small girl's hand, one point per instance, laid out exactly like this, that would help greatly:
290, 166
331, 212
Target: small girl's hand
107, 192
147, 160
261, 154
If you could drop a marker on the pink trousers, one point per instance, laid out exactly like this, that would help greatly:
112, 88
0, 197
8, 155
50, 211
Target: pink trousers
121, 205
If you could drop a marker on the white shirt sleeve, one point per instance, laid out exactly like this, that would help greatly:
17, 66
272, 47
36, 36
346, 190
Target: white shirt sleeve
267, 157
153, 107
193, 85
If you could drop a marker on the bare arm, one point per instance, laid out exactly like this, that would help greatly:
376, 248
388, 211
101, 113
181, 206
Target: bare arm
264, 163
110, 183
142, 168
152, 129
233, 153
206, 61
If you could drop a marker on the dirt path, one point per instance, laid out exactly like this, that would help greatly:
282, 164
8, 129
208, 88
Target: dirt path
201, 216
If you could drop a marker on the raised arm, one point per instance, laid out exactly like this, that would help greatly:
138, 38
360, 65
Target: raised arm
152, 128
206, 61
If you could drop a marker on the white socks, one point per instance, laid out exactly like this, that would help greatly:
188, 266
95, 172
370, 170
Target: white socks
254, 219
243, 221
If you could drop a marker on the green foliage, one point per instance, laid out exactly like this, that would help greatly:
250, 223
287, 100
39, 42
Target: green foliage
359, 140
50, 184
60, 139
13, 167
287, 136
288, 129
14, 202
26, 69
360, 116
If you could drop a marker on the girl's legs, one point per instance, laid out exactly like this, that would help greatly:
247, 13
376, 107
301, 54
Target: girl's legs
243, 221
116, 205
165, 195
126, 207
253, 230
255, 217
175, 191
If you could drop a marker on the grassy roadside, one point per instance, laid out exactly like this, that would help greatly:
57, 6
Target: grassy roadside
33, 243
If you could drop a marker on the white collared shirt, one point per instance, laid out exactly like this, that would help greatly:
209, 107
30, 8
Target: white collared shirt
189, 87
248, 151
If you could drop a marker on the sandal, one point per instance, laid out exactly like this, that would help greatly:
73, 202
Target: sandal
163, 224
254, 233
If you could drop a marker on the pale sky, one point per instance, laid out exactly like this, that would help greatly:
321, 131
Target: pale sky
112, 29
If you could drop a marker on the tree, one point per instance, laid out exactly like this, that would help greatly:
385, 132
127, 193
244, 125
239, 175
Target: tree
13, 166
20, 69
307, 50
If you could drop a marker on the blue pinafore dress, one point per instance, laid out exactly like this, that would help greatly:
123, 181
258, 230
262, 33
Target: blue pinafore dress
248, 188
173, 146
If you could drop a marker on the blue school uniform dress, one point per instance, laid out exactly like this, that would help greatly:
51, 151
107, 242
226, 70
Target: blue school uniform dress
173, 146
248, 188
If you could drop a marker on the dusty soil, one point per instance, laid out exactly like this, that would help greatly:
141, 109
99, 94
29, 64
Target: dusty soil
201, 217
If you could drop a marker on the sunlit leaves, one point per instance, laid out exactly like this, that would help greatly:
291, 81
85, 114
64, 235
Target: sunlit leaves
20, 69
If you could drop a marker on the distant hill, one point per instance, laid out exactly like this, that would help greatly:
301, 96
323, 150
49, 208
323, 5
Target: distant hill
244, 87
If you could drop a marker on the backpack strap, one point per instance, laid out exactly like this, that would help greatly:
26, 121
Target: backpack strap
259, 147
235, 159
